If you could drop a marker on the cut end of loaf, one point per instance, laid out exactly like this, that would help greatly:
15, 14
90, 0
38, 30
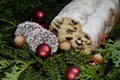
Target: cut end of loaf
71, 30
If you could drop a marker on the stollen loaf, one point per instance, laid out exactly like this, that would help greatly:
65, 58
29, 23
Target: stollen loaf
83, 23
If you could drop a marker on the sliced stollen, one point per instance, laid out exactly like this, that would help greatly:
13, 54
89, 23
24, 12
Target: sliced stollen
83, 23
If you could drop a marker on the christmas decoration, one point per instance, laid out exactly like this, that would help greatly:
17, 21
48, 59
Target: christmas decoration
19, 41
64, 46
35, 34
38, 15
72, 73
43, 50
98, 58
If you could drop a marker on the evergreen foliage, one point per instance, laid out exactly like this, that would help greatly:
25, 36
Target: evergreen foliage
23, 64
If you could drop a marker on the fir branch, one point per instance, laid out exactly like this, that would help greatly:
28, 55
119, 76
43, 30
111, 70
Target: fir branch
112, 52
16, 70
93, 72
114, 74
9, 22
4, 64
3, 1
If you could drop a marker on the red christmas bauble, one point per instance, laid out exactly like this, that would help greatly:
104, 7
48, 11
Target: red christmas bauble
72, 73
38, 15
43, 51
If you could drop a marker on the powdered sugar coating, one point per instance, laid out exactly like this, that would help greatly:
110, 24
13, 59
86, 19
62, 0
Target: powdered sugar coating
24, 28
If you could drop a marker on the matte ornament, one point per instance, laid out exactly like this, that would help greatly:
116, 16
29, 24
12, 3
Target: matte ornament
43, 51
64, 46
98, 58
19, 41
72, 73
